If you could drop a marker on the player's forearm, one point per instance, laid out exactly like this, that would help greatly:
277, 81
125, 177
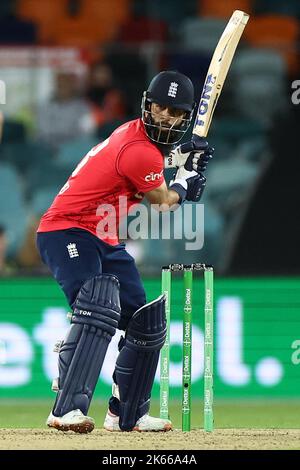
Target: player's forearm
163, 199
167, 200
173, 197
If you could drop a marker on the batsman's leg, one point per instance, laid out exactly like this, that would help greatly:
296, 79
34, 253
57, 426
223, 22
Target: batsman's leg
94, 322
135, 371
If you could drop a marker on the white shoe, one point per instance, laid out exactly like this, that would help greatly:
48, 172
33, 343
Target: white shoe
75, 421
143, 424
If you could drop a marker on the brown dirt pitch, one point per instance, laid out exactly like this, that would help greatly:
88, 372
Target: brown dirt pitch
236, 439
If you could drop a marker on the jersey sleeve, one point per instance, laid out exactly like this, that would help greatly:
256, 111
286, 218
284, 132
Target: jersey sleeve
143, 166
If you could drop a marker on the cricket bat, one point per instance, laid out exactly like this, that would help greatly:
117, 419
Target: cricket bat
215, 77
218, 70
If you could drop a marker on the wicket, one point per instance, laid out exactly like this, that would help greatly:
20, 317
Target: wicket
187, 344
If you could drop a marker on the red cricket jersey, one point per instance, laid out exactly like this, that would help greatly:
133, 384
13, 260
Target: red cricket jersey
112, 177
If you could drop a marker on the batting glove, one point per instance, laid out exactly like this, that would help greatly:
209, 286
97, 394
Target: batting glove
189, 185
193, 155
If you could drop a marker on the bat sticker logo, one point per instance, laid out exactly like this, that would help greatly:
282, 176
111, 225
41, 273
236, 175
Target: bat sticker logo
205, 98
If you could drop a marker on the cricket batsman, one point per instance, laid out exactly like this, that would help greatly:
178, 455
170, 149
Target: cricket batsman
97, 275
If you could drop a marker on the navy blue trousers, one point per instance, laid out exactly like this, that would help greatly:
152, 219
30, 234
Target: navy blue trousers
74, 256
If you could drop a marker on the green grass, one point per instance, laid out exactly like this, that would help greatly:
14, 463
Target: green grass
228, 414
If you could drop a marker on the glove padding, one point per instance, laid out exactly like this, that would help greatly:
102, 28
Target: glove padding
188, 184
193, 155
196, 185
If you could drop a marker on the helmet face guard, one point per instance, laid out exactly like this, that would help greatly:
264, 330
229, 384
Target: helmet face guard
160, 132
173, 90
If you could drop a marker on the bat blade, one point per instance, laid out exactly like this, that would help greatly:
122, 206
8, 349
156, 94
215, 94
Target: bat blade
218, 70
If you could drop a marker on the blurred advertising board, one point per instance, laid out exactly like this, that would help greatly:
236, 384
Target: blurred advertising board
257, 337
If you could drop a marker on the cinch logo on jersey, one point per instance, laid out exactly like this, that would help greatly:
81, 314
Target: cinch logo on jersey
173, 89
72, 249
153, 176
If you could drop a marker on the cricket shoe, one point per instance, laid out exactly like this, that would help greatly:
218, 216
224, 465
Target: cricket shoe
75, 421
144, 424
